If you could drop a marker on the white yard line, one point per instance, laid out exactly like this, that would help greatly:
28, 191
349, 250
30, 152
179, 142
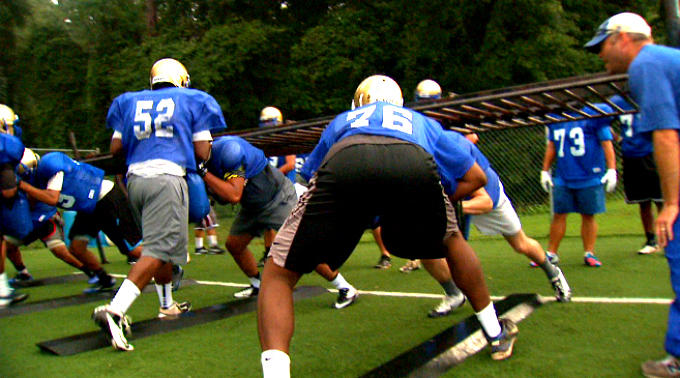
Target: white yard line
624, 300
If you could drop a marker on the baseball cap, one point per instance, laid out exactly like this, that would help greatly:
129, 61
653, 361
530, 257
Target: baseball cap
625, 22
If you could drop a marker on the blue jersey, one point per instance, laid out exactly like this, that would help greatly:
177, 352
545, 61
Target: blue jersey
492, 187
82, 182
279, 161
580, 157
633, 144
11, 150
388, 120
654, 81
160, 124
233, 156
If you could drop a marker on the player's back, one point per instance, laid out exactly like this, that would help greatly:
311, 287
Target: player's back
159, 124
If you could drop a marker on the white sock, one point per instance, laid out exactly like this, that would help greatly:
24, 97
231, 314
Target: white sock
212, 240
165, 294
587, 252
125, 296
275, 364
339, 282
255, 281
5, 289
199, 242
489, 321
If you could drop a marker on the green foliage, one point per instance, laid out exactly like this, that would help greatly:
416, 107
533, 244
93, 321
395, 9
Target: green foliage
62, 64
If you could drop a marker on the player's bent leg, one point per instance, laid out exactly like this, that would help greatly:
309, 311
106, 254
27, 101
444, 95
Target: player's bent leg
466, 271
237, 245
275, 313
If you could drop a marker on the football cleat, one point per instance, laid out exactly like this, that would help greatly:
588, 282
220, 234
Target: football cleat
215, 250
428, 90
115, 326
502, 345
100, 286
648, 249
21, 278
447, 305
174, 311
377, 88
590, 260
201, 251
410, 266
346, 296
169, 71
561, 286
270, 116
668, 367
384, 263
14, 297
249, 292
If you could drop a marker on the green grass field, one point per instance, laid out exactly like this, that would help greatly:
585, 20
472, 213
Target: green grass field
557, 340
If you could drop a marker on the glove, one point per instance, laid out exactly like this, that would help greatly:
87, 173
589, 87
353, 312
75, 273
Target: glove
609, 180
546, 181
202, 168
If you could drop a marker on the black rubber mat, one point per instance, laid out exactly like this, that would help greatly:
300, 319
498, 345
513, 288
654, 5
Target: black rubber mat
450, 347
95, 340
72, 300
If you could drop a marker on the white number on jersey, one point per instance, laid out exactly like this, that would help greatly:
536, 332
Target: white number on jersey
627, 124
65, 201
578, 147
142, 127
394, 117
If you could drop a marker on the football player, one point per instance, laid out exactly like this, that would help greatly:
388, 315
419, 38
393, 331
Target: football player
162, 132
491, 211
375, 156
9, 121
266, 201
585, 162
14, 210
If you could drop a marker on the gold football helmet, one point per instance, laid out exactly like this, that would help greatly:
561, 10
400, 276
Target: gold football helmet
7, 119
169, 71
428, 90
377, 88
28, 162
270, 116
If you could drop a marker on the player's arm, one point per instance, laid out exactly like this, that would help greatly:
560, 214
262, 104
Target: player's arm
289, 166
202, 149
473, 179
50, 195
609, 154
478, 203
229, 190
116, 146
549, 156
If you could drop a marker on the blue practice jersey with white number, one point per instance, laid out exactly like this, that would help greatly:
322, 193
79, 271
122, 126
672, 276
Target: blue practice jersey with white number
388, 120
633, 144
11, 149
579, 154
300, 162
654, 80
159, 124
492, 187
233, 156
81, 185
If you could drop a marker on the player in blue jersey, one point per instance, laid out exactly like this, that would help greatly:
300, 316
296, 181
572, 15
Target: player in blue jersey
9, 121
624, 42
11, 205
585, 166
271, 116
101, 205
491, 211
640, 180
376, 160
207, 227
162, 132
266, 201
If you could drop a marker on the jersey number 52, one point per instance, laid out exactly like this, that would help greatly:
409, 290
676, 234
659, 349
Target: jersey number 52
164, 111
